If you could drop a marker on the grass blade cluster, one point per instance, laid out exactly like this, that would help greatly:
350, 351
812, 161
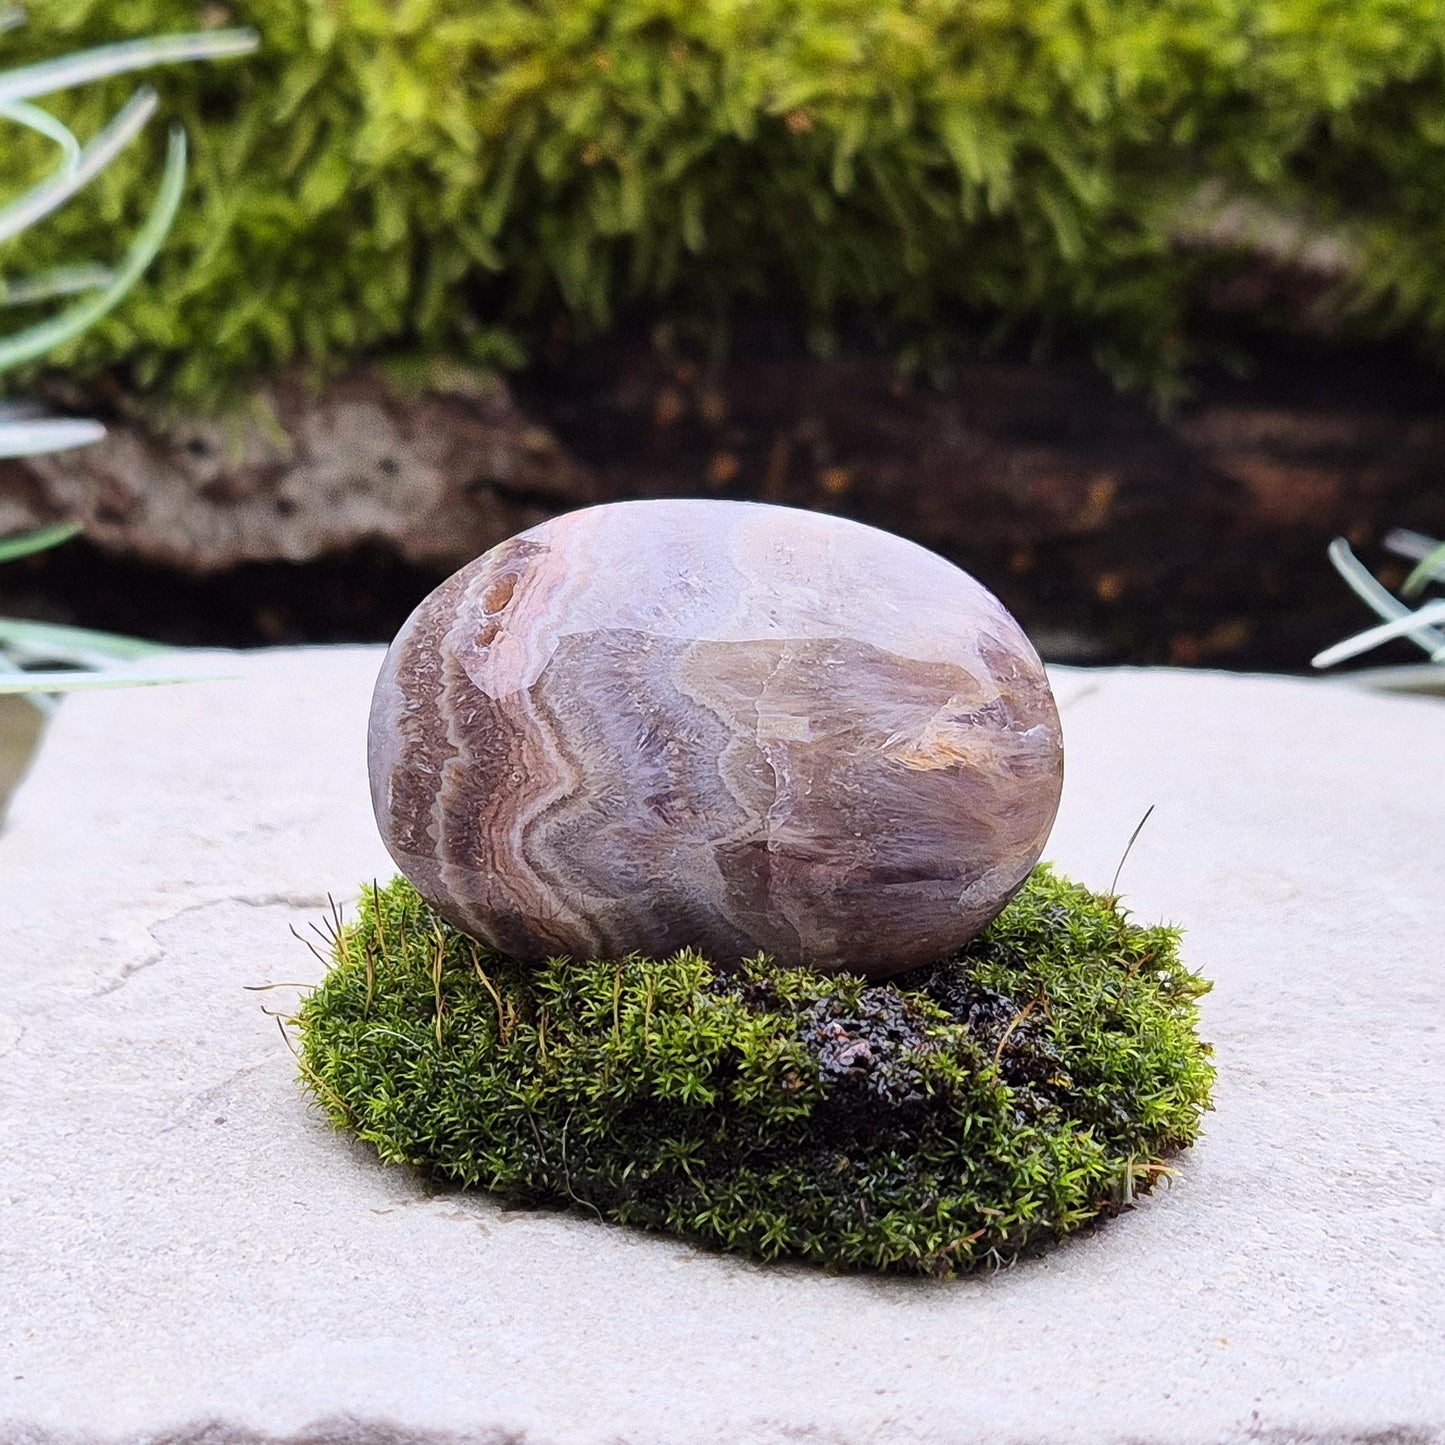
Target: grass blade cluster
1423, 623
80, 660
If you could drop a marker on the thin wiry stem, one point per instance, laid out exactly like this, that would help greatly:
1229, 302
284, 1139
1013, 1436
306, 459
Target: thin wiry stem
1128, 848
315, 952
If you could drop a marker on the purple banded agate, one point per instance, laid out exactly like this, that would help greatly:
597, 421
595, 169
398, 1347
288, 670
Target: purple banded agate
737, 728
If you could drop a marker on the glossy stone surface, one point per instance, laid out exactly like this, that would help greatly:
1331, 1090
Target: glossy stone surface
739, 728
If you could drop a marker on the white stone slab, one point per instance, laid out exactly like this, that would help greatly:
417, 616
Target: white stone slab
188, 1252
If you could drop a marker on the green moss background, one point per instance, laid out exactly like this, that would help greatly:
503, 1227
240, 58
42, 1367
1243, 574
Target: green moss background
948, 1118
457, 175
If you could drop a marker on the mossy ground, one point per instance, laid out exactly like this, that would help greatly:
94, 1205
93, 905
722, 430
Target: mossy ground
466, 176
952, 1117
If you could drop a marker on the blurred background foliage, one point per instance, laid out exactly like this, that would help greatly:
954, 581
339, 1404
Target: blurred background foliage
458, 175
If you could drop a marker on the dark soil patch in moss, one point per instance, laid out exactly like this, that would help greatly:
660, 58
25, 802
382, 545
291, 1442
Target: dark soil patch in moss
952, 1117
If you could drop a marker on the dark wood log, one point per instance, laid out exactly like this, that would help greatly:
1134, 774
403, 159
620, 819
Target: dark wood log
1115, 532
433, 467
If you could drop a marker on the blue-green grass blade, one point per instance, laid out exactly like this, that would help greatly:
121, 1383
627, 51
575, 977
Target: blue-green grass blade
48, 76
1428, 569
59, 281
41, 540
76, 643
53, 192
1373, 637
46, 335
49, 434
43, 123
49, 682
1385, 604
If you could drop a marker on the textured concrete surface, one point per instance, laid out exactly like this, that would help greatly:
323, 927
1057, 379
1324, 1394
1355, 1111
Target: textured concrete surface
189, 1254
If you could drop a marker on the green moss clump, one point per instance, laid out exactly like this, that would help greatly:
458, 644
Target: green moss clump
458, 175
949, 1118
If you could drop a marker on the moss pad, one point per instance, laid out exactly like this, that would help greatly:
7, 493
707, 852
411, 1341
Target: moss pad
459, 178
948, 1118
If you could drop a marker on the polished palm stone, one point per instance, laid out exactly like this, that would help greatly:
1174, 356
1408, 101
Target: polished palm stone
736, 728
